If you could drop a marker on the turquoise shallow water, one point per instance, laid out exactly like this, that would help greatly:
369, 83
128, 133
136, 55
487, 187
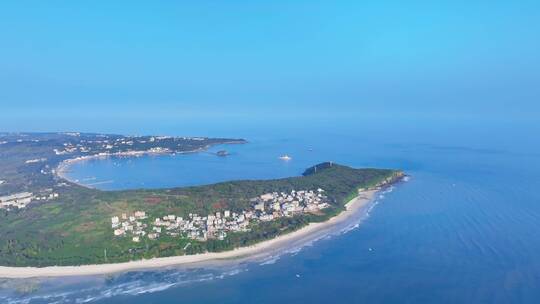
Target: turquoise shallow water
464, 229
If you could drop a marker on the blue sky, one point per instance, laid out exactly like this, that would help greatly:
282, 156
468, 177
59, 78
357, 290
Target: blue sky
64, 64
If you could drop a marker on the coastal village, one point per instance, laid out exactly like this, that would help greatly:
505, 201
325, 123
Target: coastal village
267, 207
22, 199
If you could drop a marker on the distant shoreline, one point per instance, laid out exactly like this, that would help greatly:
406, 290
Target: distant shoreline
360, 201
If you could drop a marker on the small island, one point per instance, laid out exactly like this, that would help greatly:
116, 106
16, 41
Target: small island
50, 221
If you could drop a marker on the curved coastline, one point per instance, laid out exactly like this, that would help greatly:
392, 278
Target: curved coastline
64, 165
351, 208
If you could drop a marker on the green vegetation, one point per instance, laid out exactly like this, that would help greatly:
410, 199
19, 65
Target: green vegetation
75, 229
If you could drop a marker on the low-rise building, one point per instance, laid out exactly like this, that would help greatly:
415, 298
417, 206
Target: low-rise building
265, 208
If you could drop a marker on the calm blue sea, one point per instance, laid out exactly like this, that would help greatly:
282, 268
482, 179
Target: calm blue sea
464, 229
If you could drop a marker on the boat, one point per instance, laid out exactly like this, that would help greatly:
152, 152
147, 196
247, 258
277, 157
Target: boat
285, 157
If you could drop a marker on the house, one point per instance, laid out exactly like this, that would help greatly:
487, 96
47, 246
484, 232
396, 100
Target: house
115, 221
140, 214
267, 197
259, 206
323, 205
266, 217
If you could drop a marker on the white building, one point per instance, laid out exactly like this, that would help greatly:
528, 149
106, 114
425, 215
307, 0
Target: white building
140, 214
259, 206
115, 221
19, 200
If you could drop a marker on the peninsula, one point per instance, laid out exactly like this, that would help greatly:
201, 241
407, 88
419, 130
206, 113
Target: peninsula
52, 226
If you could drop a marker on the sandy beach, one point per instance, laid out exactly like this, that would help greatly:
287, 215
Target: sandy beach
352, 206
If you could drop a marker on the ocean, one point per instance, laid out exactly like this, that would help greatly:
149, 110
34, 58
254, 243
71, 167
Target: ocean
465, 228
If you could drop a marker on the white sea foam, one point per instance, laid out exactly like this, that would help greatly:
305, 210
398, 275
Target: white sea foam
152, 288
270, 260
